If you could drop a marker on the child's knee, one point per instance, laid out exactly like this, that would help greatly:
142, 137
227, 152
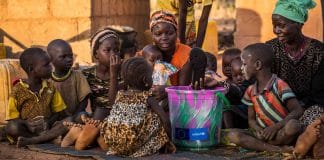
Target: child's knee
293, 127
13, 128
234, 136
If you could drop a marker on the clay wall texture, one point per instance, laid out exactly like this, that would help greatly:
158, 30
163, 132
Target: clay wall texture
253, 22
37, 22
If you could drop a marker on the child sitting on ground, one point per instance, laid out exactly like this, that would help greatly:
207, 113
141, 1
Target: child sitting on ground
236, 115
103, 79
34, 104
161, 70
313, 137
71, 84
273, 109
137, 126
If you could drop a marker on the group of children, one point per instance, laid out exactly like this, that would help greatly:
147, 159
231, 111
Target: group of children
126, 119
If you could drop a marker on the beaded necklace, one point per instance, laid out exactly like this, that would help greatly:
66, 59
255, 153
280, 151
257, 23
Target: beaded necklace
299, 53
63, 78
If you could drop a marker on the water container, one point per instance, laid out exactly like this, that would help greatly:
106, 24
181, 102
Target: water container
196, 116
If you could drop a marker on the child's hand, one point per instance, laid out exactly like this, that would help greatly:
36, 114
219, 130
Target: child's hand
198, 86
115, 63
152, 101
159, 92
270, 132
210, 82
37, 124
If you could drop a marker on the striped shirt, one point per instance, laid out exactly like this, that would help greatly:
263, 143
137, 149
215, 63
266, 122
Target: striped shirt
269, 104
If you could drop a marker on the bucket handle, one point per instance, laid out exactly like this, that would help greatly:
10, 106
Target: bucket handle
223, 99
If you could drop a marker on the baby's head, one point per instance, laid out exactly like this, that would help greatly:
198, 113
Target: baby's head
227, 58
36, 63
105, 43
137, 73
256, 58
211, 62
151, 53
237, 74
61, 54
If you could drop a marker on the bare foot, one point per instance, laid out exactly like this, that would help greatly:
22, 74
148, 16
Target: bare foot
88, 134
23, 141
319, 145
71, 136
306, 140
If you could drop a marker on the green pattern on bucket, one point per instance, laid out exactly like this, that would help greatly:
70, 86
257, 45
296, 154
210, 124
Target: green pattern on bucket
192, 110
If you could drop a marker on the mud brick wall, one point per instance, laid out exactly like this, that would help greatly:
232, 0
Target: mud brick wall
134, 13
253, 22
37, 22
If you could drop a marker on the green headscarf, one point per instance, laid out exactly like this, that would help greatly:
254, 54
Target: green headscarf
295, 10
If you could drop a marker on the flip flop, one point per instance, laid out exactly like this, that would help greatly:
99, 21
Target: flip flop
198, 62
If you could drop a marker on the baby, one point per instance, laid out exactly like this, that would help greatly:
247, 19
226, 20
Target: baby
161, 70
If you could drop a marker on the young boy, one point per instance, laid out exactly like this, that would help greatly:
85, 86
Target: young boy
71, 84
273, 109
34, 104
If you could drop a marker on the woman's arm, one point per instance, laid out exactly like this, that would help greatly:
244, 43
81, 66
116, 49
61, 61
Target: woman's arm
184, 75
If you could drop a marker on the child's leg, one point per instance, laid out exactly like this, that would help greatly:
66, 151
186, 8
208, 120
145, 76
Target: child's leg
318, 150
228, 119
307, 139
288, 133
244, 139
57, 130
17, 128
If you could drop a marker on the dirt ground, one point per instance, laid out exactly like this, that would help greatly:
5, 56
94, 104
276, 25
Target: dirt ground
11, 152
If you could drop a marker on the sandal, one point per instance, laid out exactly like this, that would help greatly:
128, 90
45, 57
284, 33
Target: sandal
198, 62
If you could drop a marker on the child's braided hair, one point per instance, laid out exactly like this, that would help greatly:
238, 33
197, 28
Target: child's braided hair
134, 72
100, 36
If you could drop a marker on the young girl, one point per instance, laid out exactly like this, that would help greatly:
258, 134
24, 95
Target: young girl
141, 124
137, 125
103, 80
105, 49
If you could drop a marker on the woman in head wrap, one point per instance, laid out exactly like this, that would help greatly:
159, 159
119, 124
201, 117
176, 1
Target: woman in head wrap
299, 59
164, 29
163, 26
